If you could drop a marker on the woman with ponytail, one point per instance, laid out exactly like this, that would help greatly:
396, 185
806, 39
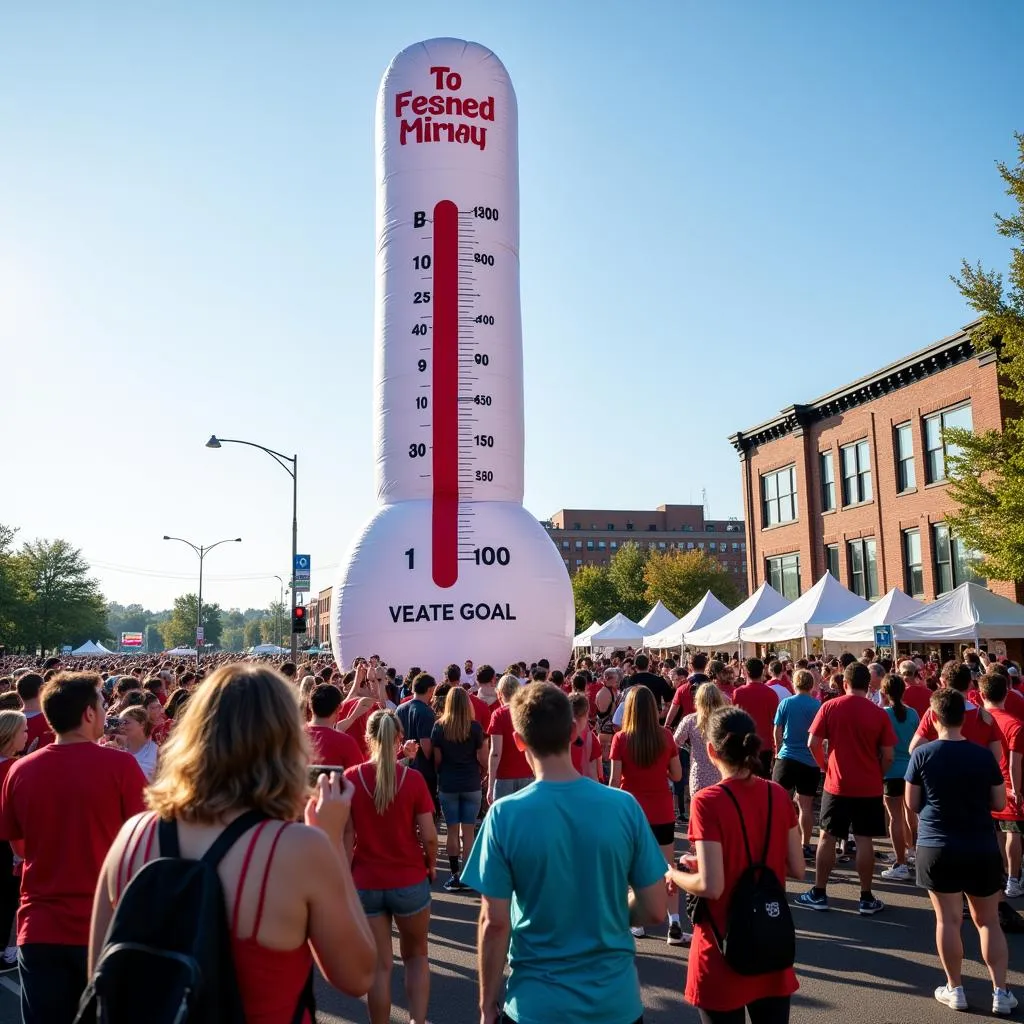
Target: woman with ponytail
720, 816
905, 721
392, 843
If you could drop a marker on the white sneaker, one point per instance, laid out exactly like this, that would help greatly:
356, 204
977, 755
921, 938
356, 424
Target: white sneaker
897, 873
637, 933
1013, 889
955, 998
1003, 1001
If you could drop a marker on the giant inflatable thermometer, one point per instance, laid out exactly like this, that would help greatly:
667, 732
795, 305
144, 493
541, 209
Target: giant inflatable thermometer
451, 566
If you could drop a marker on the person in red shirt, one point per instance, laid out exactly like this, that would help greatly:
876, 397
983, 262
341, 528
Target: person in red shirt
979, 726
861, 746
29, 686
330, 747
355, 710
508, 771
13, 730
586, 747
719, 817
100, 789
761, 702
644, 758
485, 699
392, 843
1010, 819
916, 695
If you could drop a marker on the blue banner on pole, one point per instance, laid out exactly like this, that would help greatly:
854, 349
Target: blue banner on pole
883, 636
300, 572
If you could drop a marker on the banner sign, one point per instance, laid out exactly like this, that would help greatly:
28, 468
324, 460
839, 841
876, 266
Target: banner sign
131, 639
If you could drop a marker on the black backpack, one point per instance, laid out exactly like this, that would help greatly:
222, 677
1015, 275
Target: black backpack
167, 955
759, 934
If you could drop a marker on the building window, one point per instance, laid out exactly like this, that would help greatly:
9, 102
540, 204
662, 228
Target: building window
611, 526
828, 482
577, 526
863, 567
579, 562
565, 545
614, 545
936, 452
906, 479
856, 473
601, 545
952, 561
689, 545
700, 544
778, 492
661, 545
579, 545
783, 573
590, 545
735, 546
913, 577
832, 559
712, 545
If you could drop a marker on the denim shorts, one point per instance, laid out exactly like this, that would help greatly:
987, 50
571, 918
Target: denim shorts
506, 787
405, 902
460, 808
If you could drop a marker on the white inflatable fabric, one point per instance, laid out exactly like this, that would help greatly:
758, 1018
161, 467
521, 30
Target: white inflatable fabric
451, 566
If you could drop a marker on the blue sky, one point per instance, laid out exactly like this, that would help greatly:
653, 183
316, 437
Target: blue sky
726, 208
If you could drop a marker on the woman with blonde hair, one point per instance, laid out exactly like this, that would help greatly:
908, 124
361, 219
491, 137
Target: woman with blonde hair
13, 737
692, 733
392, 844
457, 744
644, 759
135, 735
239, 757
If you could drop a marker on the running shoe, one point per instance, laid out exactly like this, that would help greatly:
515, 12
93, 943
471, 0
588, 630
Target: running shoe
868, 907
676, 935
638, 933
1013, 889
1003, 1001
954, 998
453, 885
897, 873
812, 902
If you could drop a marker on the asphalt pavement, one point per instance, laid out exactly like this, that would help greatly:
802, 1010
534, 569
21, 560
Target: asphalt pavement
875, 970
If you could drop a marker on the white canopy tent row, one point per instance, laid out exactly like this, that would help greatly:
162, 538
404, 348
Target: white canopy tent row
860, 629
827, 603
581, 639
709, 609
268, 649
971, 612
658, 618
90, 648
724, 632
618, 631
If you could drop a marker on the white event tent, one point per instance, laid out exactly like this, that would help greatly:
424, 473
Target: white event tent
708, 610
581, 639
618, 631
968, 613
825, 604
267, 649
657, 619
183, 652
89, 648
860, 629
725, 632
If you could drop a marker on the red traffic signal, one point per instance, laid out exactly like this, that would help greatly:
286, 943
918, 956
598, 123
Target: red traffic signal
298, 619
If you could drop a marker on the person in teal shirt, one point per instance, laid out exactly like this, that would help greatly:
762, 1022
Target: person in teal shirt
552, 864
905, 721
795, 768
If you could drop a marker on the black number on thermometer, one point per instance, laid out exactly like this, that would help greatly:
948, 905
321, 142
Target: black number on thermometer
421, 262
481, 359
485, 475
485, 212
491, 556
483, 440
417, 451
481, 399
484, 319
421, 297
480, 257
421, 365
419, 329
421, 402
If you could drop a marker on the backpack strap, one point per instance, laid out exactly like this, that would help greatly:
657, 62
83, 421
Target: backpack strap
170, 847
743, 827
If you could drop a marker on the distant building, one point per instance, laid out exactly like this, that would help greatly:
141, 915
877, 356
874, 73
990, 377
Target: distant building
312, 622
323, 626
855, 481
587, 536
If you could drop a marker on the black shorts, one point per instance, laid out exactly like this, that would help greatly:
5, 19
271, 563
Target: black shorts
664, 835
792, 774
945, 871
861, 815
766, 757
894, 787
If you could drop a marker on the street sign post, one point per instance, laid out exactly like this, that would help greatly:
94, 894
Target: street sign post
300, 572
883, 638
200, 636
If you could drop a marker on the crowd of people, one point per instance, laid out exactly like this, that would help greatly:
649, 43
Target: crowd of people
316, 795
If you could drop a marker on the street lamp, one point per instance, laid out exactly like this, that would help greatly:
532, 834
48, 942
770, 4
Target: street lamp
293, 472
202, 552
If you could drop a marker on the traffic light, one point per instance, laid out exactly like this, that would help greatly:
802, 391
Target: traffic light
298, 619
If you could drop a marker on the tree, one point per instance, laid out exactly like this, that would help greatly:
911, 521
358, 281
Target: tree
986, 469
679, 579
233, 638
626, 572
154, 639
180, 629
12, 589
253, 632
63, 605
596, 598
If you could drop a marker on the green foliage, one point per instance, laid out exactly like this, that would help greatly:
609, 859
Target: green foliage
253, 632
626, 572
180, 629
154, 639
595, 594
987, 473
679, 579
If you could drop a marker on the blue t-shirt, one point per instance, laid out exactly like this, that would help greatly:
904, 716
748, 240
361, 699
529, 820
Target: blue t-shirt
795, 715
417, 718
904, 734
564, 853
956, 779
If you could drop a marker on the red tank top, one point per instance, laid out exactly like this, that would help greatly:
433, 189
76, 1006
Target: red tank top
270, 981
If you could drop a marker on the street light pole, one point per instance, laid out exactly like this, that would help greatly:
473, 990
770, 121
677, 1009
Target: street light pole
202, 552
293, 472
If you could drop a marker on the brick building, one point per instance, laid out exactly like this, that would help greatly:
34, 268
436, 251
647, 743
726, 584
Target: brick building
323, 623
587, 536
312, 622
855, 481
